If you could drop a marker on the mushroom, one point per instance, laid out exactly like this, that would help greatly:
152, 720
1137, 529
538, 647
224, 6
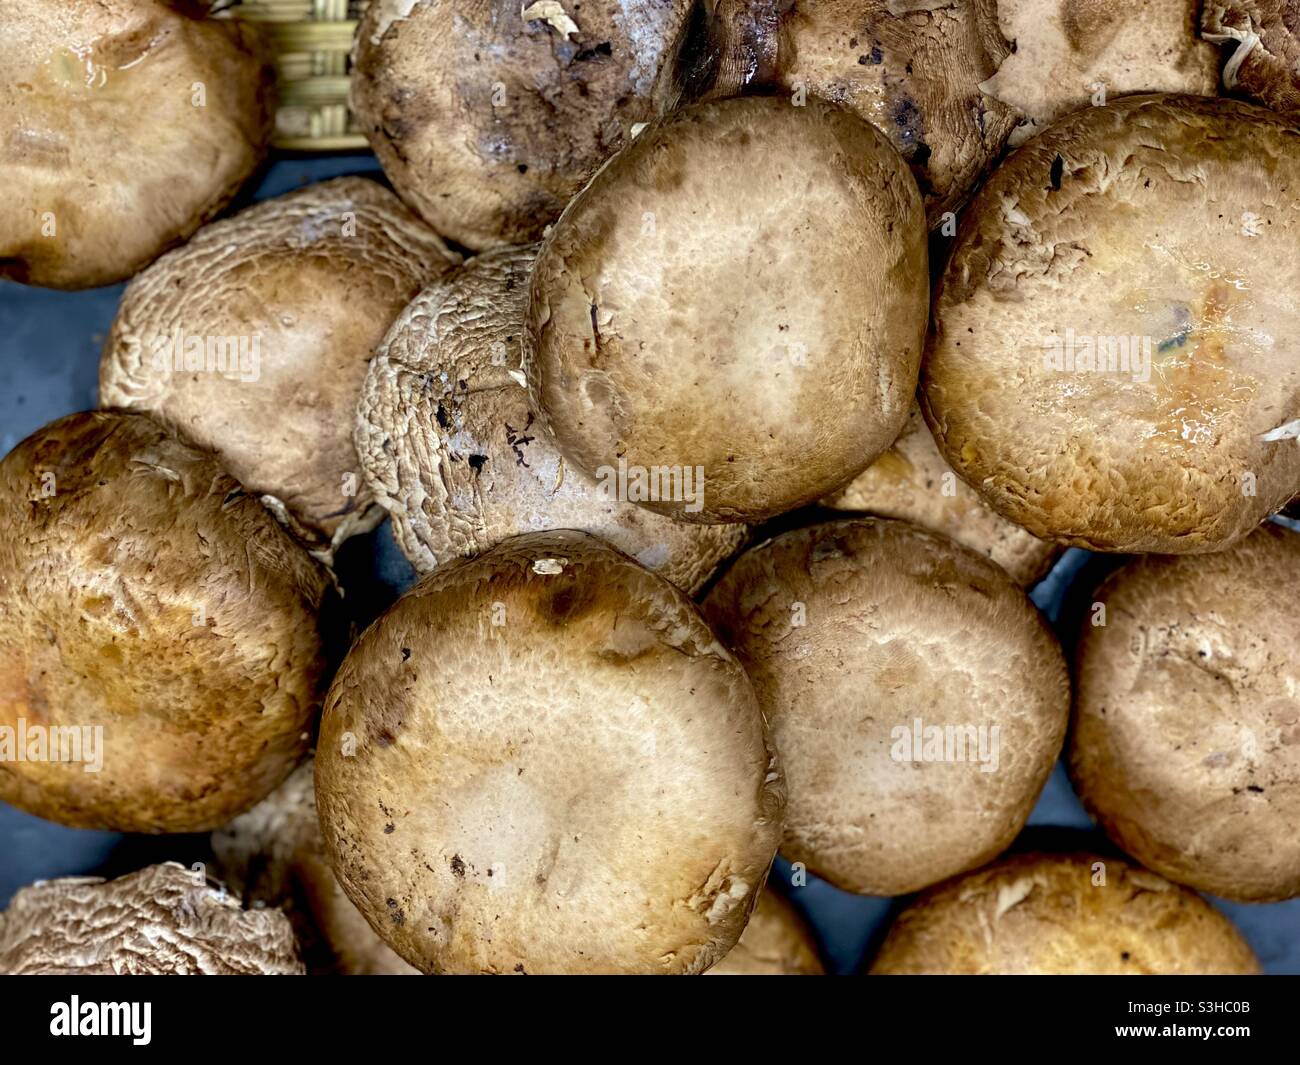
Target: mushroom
1265, 62
128, 123
273, 855
160, 658
1068, 914
252, 340
540, 760
741, 269
776, 942
488, 117
912, 68
162, 921
913, 482
917, 698
1069, 54
450, 449
1186, 739
1114, 360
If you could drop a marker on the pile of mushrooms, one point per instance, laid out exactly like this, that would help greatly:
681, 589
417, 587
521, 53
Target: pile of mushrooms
729, 373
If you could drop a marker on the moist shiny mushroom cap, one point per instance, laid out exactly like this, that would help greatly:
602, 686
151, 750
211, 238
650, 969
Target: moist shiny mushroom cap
1075, 914
128, 123
741, 269
488, 117
162, 921
451, 450
917, 698
156, 616
1186, 740
253, 339
1114, 362
540, 760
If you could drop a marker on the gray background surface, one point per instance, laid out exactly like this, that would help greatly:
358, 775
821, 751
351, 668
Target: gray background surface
49, 356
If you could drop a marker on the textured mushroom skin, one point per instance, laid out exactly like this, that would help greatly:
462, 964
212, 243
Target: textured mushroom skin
450, 449
87, 92
1266, 62
487, 123
1068, 51
162, 921
912, 481
852, 629
274, 855
1186, 740
149, 596
1047, 915
586, 787
776, 942
739, 269
313, 278
912, 73
1146, 236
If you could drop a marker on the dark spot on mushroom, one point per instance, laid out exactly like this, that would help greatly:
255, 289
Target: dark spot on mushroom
477, 462
389, 828
600, 51
522, 168
521, 970
444, 419
1058, 169
457, 866
406, 654
921, 156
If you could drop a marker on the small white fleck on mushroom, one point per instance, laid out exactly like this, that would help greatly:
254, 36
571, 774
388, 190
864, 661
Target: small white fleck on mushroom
549, 567
1010, 895
637, 127
518, 377
552, 12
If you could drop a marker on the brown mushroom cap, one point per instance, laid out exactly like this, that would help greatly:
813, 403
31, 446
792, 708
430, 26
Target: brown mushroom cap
913, 482
162, 921
911, 69
1186, 740
302, 287
741, 269
1265, 62
128, 123
274, 855
540, 760
488, 117
1070, 54
1070, 914
860, 636
449, 448
776, 942
155, 613
1130, 221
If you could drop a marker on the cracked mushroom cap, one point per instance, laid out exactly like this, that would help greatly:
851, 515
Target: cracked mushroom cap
866, 640
1265, 60
159, 618
912, 68
742, 292
1115, 362
488, 116
162, 921
1070, 54
1186, 739
450, 449
253, 339
273, 855
912, 481
776, 942
540, 760
89, 91
1072, 914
